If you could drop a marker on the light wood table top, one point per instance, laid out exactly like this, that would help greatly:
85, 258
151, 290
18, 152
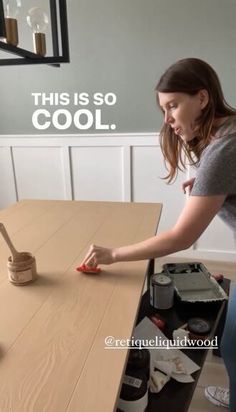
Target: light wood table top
52, 331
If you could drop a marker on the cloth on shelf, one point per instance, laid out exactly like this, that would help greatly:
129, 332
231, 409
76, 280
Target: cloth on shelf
171, 362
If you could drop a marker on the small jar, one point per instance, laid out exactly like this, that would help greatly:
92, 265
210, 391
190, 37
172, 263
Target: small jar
22, 270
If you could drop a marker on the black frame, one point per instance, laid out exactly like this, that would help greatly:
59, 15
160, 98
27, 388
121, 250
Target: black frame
2, 24
32, 58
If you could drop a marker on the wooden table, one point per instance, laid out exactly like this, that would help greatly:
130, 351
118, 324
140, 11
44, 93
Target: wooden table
52, 351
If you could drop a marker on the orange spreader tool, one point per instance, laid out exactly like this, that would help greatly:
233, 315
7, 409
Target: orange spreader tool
88, 269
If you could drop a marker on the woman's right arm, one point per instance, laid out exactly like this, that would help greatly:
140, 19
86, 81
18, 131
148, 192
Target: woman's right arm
194, 219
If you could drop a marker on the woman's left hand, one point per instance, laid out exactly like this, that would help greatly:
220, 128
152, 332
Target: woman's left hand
188, 185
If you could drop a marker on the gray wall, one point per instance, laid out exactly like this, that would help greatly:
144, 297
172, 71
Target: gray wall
123, 46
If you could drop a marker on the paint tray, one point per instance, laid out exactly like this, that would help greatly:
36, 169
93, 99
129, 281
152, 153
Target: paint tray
194, 283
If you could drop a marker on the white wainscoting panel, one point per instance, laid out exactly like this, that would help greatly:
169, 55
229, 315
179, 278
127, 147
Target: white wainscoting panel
7, 177
148, 185
113, 167
97, 173
39, 172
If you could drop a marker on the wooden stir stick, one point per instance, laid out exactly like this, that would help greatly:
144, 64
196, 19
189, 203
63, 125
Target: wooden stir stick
16, 256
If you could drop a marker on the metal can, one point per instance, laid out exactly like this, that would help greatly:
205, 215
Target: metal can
161, 291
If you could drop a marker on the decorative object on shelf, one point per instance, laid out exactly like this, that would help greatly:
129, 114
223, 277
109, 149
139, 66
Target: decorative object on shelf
38, 21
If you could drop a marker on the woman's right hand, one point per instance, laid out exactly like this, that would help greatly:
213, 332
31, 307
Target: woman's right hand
97, 255
188, 185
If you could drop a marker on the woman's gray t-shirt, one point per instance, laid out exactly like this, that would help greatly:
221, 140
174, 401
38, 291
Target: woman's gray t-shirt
216, 173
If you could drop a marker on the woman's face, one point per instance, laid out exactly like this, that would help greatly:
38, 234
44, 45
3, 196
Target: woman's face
182, 110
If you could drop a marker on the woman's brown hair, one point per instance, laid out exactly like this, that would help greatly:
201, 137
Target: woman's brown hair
190, 76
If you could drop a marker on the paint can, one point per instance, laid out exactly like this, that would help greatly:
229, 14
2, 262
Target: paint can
23, 270
161, 291
198, 328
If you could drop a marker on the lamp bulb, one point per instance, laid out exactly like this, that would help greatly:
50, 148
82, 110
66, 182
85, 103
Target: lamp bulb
11, 8
37, 19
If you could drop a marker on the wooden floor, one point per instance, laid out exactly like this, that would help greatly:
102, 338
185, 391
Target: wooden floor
214, 372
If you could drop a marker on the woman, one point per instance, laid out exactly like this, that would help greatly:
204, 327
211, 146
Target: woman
200, 127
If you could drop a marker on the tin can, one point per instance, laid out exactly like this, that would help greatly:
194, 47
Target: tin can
161, 291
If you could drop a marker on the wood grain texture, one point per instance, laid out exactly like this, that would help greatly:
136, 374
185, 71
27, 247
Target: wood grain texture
52, 355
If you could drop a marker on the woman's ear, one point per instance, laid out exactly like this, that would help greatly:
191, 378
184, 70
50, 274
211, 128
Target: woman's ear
203, 98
